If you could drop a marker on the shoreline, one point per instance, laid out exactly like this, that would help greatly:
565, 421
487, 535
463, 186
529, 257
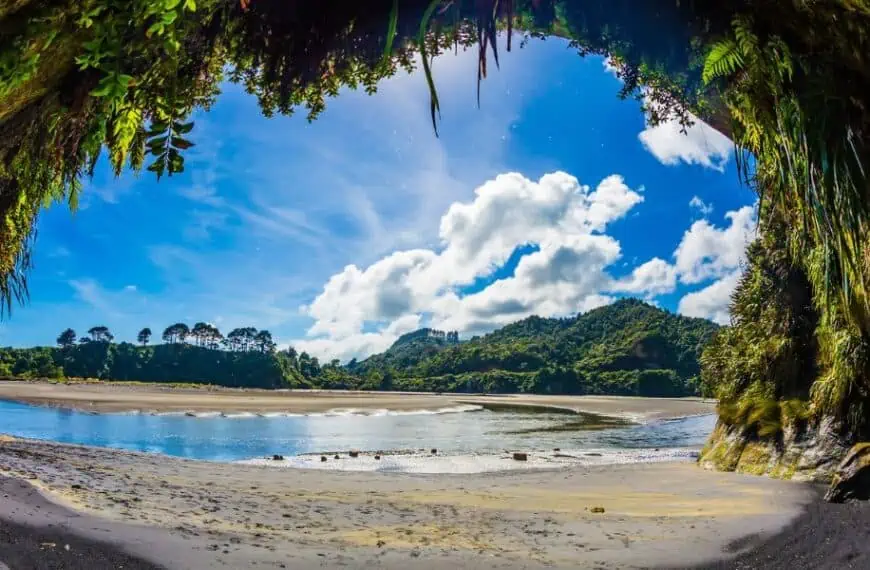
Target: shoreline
821, 536
154, 398
191, 514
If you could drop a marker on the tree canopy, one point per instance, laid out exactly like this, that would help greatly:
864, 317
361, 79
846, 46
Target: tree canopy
144, 336
629, 347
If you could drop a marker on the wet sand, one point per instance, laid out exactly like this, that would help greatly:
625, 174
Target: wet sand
120, 397
189, 514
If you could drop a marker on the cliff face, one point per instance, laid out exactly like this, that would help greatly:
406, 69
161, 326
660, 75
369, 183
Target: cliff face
809, 453
790, 374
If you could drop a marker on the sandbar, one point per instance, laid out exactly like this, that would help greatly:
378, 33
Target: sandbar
124, 397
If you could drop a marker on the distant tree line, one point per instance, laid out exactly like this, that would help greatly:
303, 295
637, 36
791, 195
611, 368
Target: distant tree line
203, 335
245, 357
628, 348
448, 336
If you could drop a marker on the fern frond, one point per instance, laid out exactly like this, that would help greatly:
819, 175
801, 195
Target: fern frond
747, 41
723, 60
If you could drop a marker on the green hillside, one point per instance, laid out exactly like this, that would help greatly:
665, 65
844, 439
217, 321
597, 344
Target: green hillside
629, 347
408, 351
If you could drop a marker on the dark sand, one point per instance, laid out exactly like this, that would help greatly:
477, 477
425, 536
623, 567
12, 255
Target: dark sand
825, 536
134, 512
43, 535
191, 514
23, 547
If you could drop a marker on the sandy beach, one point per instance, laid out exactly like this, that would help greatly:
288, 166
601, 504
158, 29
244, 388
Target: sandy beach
126, 509
189, 514
120, 397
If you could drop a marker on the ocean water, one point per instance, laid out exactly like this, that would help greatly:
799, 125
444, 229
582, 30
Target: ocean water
467, 438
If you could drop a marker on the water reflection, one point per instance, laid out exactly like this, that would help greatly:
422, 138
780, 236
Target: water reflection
227, 439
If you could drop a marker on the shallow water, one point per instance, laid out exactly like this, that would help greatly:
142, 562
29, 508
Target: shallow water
467, 438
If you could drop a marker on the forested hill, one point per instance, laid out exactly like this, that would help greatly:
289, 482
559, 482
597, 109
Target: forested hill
408, 351
628, 347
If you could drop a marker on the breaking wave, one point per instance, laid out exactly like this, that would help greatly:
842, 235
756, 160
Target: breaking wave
337, 412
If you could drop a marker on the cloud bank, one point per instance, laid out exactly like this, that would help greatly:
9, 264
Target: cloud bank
561, 223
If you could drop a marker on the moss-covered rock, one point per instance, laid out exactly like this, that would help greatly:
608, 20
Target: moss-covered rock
803, 453
723, 449
852, 479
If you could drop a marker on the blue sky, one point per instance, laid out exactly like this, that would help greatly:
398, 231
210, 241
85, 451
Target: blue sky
341, 234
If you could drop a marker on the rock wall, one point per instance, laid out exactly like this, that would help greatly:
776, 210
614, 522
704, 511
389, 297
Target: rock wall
852, 480
803, 453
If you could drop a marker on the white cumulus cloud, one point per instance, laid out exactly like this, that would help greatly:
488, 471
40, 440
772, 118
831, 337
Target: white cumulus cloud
711, 302
699, 144
654, 277
704, 208
363, 310
707, 252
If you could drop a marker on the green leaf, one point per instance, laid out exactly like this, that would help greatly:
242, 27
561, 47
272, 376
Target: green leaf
182, 128
434, 105
159, 142
181, 143
157, 128
391, 30
137, 150
190, 5
118, 91
176, 161
75, 188
93, 45
155, 28
157, 166
104, 88
84, 62
723, 60
171, 45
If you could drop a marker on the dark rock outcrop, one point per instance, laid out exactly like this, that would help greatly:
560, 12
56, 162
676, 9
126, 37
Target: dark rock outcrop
520, 456
810, 453
852, 479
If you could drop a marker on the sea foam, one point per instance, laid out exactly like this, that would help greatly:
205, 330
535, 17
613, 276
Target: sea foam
336, 412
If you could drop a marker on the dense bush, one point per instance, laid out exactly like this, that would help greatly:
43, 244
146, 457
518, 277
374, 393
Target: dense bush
629, 348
